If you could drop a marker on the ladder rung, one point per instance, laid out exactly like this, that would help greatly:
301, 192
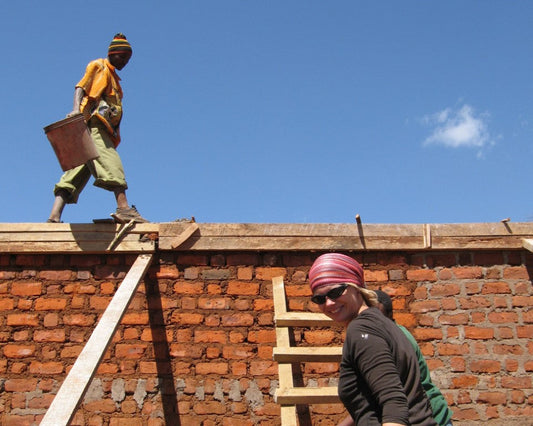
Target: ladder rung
302, 319
321, 395
310, 354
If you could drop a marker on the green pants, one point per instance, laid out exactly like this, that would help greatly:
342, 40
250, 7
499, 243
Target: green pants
107, 169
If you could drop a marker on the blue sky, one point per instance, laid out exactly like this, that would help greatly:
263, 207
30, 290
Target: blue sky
282, 111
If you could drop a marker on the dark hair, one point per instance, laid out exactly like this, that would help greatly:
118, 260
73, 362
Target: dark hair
386, 302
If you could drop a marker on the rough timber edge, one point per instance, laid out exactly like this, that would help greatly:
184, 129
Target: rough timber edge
95, 238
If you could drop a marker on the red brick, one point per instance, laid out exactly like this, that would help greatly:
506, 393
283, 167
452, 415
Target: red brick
516, 273
185, 287
268, 273
46, 368
453, 319
214, 303
30, 288
245, 273
167, 272
485, 366
237, 320
18, 420
204, 336
133, 351
56, 275
136, 318
495, 288
517, 382
479, 333
205, 368
101, 405
6, 304
31, 320
42, 401
503, 317
439, 290
243, 288
474, 302
465, 381
180, 350
57, 335
421, 275
126, 421
263, 304
262, 336
80, 320
376, 276
423, 334
71, 351
237, 352
209, 407
319, 337
468, 272
425, 306
262, 368
186, 318
522, 301
18, 351
50, 304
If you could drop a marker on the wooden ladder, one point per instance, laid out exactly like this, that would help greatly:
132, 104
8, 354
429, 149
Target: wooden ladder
288, 357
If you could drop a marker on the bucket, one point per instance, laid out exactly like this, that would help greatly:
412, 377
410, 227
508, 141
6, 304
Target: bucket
71, 141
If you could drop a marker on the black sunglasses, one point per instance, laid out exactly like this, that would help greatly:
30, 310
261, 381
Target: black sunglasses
333, 294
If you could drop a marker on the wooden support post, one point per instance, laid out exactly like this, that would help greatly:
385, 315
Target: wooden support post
75, 385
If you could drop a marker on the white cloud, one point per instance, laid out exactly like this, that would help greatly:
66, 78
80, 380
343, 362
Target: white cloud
458, 128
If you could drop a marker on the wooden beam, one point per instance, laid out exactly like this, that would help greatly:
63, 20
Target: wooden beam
527, 243
353, 237
72, 237
308, 354
185, 235
75, 385
181, 236
319, 395
303, 319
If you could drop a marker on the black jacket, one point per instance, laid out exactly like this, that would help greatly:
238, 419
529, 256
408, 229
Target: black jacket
379, 374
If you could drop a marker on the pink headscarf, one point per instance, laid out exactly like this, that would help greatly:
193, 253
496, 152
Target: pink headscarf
334, 268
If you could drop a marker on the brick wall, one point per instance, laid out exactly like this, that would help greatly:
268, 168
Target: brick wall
195, 346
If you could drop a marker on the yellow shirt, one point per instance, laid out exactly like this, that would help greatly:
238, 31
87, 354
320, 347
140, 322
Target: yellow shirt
103, 96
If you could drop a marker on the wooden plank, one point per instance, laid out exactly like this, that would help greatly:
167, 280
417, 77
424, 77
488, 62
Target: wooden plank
77, 247
528, 244
319, 395
64, 237
142, 228
308, 354
476, 242
201, 242
75, 385
290, 237
303, 319
185, 235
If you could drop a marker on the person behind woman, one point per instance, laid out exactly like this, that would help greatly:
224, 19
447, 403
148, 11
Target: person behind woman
441, 412
379, 381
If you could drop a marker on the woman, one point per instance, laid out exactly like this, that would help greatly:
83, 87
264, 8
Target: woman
379, 380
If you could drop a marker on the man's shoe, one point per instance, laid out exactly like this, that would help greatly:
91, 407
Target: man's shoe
127, 215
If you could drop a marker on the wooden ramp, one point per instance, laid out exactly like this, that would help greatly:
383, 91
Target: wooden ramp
75, 385
288, 395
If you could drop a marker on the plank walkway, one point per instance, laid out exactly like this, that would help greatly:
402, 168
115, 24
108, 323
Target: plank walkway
186, 236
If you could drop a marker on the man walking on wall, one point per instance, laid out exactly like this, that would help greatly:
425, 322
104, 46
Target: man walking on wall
98, 96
